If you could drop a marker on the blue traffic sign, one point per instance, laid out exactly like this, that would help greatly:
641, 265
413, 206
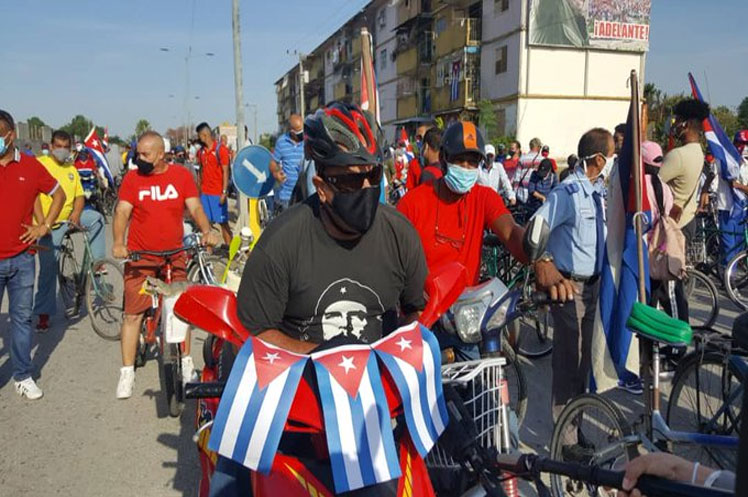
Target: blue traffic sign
251, 171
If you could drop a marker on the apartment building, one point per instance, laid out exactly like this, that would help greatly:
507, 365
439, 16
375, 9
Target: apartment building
548, 68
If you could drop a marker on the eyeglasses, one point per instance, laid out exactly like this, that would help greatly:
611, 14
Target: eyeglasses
350, 182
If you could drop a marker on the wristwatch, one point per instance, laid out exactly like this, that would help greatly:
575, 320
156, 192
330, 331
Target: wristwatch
546, 257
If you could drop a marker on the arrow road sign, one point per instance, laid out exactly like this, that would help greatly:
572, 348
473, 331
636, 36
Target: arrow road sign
251, 171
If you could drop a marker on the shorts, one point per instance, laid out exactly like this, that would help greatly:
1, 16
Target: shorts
216, 212
135, 274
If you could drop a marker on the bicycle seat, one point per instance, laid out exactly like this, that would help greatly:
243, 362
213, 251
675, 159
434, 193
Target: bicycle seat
491, 240
656, 325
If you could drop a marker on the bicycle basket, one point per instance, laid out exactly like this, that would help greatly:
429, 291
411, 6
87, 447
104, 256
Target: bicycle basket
478, 384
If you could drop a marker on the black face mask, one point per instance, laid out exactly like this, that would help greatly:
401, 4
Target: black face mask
297, 136
144, 167
357, 209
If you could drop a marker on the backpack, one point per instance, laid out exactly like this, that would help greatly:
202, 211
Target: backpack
667, 245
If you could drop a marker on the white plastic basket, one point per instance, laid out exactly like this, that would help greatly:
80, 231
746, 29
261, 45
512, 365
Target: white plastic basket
479, 385
174, 329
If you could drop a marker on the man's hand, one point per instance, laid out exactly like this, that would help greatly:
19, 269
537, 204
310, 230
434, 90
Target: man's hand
663, 465
33, 233
75, 219
512, 201
222, 199
210, 239
548, 278
119, 251
279, 175
675, 213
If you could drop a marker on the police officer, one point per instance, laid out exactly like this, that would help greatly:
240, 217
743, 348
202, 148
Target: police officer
574, 213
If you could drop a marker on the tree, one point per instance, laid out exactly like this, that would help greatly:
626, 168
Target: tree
743, 114
35, 122
142, 126
487, 120
267, 140
78, 127
727, 119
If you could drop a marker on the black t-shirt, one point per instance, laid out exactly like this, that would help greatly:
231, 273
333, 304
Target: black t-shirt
303, 282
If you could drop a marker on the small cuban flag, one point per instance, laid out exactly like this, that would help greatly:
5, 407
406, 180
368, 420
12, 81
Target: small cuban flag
255, 404
411, 355
357, 418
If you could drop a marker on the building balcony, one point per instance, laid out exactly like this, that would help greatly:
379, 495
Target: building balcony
407, 61
468, 96
466, 33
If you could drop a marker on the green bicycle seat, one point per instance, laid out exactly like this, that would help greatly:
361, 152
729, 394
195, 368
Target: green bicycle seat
656, 325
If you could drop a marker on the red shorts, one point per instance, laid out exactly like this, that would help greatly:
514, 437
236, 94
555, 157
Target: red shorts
135, 274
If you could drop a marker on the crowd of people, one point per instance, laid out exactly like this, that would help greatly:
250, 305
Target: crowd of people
337, 264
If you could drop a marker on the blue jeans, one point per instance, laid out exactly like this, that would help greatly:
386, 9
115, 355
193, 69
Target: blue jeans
45, 301
17, 275
731, 235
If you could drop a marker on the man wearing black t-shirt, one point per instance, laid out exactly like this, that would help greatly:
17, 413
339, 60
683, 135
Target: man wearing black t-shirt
339, 264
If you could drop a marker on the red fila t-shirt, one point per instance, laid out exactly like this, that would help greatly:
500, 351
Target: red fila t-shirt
21, 182
452, 231
158, 202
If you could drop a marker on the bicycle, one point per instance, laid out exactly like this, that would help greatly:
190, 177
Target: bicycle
603, 435
101, 281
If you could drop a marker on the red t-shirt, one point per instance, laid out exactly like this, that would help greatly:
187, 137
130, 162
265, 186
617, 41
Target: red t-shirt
460, 224
414, 174
431, 173
510, 165
211, 170
158, 202
21, 181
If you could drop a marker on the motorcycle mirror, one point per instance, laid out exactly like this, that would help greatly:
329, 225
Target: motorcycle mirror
442, 287
536, 238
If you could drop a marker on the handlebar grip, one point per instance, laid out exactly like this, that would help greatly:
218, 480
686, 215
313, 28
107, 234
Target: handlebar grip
134, 257
203, 390
540, 298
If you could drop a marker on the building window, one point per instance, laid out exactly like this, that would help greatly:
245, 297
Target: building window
500, 6
441, 25
382, 18
383, 59
501, 60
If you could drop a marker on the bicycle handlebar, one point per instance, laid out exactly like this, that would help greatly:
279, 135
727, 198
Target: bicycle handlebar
203, 390
136, 255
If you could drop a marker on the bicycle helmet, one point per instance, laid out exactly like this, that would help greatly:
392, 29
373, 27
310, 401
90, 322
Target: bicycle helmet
341, 135
462, 137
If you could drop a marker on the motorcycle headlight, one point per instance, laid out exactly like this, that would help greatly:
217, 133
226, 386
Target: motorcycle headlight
468, 316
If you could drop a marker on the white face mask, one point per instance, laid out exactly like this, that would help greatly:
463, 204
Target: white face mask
605, 171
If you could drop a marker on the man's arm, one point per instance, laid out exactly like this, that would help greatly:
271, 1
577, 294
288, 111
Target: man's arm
38, 211
277, 171
279, 339
78, 204
195, 208
122, 214
511, 235
33, 233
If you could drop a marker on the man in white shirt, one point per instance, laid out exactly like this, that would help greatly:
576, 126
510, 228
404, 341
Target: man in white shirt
493, 175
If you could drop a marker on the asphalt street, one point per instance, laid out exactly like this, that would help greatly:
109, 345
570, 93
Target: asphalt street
81, 441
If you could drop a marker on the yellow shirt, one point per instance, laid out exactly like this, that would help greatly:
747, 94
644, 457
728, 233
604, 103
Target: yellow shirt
70, 182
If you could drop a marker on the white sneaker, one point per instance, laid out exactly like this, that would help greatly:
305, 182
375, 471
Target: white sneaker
188, 370
29, 389
126, 379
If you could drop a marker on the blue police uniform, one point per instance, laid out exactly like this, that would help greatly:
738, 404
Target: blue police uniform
575, 214
574, 211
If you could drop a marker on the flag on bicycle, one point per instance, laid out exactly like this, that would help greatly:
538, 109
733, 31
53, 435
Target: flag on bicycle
725, 151
357, 417
615, 356
255, 404
413, 359
93, 143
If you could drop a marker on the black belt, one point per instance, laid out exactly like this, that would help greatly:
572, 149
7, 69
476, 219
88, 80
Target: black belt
580, 279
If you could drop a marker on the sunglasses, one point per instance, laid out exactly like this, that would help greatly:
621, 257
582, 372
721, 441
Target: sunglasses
350, 182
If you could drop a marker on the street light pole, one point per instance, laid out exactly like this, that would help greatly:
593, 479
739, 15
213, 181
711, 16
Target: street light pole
301, 85
239, 101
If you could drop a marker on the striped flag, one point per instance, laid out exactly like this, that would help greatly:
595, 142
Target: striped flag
615, 355
93, 143
723, 150
105, 141
357, 417
255, 404
412, 357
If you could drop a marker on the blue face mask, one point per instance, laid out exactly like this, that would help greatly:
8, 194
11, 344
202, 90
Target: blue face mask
459, 179
3, 145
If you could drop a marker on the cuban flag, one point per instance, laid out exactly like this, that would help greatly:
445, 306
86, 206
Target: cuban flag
105, 141
412, 357
357, 417
255, 404
93, 143
615, 356
724, 151
454, 93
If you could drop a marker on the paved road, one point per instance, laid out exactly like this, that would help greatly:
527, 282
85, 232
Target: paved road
79, 440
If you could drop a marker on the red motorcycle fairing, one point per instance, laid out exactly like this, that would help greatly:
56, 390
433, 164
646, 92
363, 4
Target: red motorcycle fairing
212, 309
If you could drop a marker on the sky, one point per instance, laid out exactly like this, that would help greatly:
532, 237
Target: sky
105, 60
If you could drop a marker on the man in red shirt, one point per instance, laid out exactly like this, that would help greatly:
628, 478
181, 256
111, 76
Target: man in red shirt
152, 201
452, 213
431, 144
22, 179
214, 161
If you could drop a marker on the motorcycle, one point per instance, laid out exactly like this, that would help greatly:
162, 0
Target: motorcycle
214, 309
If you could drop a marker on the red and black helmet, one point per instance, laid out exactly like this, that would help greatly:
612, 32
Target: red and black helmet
341, 135
462, 137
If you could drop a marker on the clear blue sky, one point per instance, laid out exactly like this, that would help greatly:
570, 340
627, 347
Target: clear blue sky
103, 59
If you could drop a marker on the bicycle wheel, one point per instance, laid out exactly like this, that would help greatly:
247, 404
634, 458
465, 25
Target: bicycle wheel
706, 398
535, 338
105, 298
703, 299
170, 369
516, 381
67, 276
587, 431
736, 280
215, 264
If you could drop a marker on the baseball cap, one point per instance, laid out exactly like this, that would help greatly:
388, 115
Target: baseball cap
651, 153
490, 150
